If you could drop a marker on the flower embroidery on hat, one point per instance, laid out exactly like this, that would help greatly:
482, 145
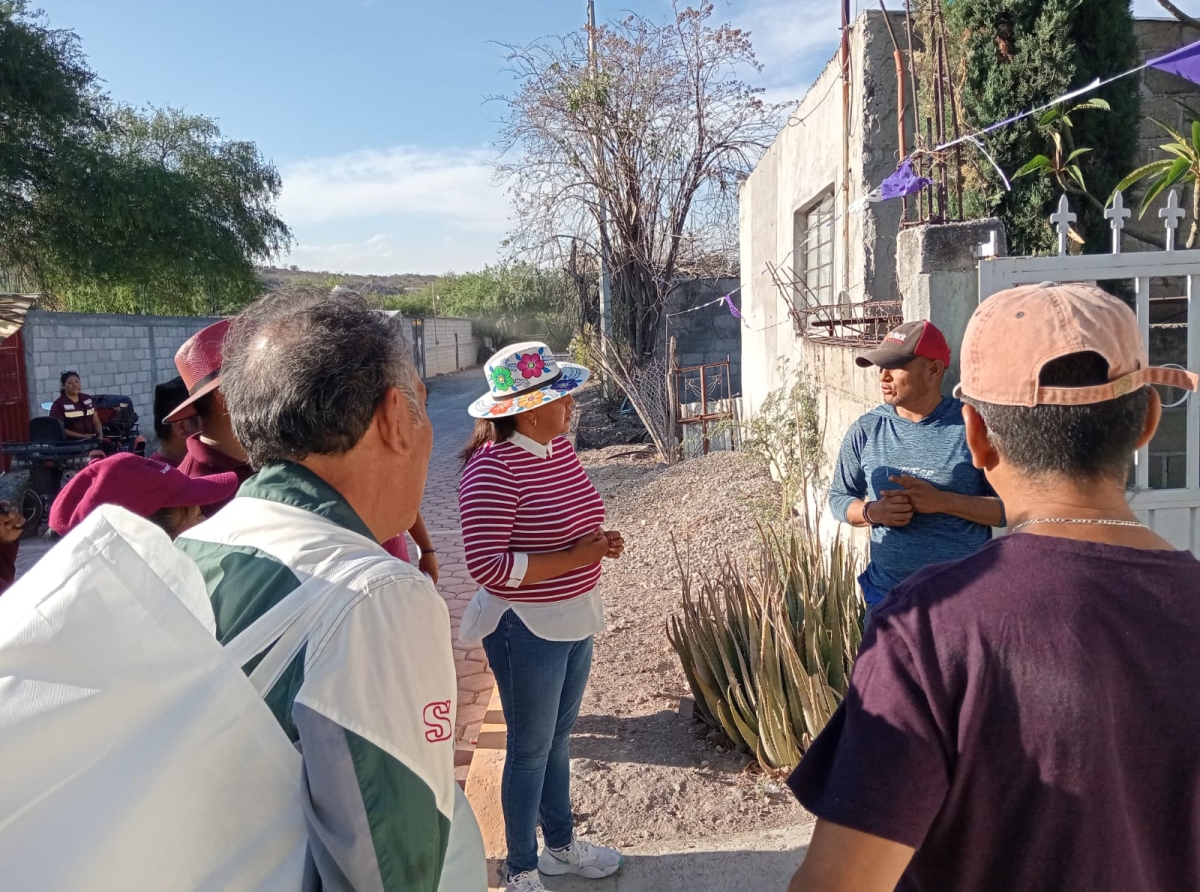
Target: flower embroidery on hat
531, 400
501, 408
502, 379
531, 365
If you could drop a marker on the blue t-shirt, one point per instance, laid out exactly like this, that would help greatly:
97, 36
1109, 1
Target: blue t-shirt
880, 445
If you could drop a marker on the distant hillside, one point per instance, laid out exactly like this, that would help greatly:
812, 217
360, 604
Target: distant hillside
402, 283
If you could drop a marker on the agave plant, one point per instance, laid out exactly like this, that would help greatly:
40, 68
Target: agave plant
1181, 168
767, 651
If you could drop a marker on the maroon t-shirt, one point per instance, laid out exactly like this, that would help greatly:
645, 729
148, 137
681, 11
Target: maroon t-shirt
78, 416
203, 460
1028, 719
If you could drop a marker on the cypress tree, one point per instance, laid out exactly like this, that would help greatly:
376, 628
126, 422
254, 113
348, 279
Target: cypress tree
1020, 54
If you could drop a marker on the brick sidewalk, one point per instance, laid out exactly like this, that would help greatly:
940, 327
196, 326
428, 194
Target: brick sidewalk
448, 400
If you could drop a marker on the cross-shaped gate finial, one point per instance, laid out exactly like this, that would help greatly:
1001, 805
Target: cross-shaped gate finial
1171, 215
1062, 220
1117, 213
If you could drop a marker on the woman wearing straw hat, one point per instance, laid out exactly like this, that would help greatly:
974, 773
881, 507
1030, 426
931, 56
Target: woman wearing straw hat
532, 532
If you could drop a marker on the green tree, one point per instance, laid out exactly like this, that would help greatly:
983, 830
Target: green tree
507, 303
110, 208
1019, 54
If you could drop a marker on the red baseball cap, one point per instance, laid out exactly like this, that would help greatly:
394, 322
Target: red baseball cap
905, 343
137, 484
199, 364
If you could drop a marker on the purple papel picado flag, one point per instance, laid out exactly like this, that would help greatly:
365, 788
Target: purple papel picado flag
903, 182
1184, 62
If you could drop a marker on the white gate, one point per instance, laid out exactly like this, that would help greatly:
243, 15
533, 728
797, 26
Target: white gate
1166, 482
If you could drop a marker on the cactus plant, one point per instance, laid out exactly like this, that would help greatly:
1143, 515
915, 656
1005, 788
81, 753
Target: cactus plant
768, 650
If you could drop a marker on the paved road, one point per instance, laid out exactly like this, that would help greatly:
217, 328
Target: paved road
448, 400
449, 397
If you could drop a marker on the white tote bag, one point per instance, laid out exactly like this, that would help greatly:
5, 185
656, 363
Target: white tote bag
135, 754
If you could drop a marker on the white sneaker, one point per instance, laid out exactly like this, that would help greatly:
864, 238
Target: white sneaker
529, 881
581, 858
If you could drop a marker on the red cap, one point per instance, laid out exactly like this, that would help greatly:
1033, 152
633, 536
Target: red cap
905, 343
137, 484
199, 364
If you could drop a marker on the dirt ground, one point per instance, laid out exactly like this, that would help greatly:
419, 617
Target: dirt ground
640, 771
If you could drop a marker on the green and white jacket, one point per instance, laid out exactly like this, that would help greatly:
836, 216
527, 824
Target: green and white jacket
372, 710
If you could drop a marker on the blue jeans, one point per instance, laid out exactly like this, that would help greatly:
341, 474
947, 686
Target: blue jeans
872, 595
541, 685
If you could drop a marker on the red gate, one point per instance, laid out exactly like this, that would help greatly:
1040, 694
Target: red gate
14, 396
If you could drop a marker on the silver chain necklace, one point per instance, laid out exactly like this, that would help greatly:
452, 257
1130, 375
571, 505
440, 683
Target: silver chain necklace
1080, 520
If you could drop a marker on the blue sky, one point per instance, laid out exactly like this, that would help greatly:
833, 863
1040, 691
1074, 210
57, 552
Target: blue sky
374, 110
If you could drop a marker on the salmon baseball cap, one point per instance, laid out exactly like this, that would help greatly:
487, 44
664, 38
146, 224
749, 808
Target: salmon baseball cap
905, 343
199, 364
1014, 333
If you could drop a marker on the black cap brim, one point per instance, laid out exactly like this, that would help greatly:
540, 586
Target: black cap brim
883, 358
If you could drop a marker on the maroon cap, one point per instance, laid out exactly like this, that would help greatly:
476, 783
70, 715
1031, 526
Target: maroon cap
199, 364
904, 344
137, 484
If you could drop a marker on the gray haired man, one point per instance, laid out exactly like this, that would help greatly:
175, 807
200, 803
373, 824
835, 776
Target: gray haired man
322, 393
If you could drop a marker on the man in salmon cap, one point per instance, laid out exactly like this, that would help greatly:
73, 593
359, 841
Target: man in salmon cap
1028, 717
215, 450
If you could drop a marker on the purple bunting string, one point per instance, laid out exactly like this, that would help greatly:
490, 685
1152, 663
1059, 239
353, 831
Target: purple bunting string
733, 311
1184, 62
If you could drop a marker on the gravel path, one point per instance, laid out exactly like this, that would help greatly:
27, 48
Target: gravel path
641, 772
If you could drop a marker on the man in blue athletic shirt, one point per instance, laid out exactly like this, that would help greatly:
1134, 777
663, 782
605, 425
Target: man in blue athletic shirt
904, 469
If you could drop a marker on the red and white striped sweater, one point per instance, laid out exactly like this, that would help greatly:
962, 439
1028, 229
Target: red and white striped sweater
514, 502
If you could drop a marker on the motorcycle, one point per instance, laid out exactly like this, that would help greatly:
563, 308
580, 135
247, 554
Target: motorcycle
52, 459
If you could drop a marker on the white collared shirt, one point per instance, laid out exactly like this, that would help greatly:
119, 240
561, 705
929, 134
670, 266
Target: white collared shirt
572, 620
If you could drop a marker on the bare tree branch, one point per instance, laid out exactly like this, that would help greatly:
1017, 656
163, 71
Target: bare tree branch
678, 132
1179, 13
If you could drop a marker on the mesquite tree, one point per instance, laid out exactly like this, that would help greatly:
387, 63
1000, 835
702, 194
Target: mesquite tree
654, 139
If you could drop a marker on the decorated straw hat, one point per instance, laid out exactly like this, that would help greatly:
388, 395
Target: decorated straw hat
523, 377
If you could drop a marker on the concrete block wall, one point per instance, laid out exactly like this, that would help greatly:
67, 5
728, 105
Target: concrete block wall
707, 335
125, 355
1160, 90
450, 345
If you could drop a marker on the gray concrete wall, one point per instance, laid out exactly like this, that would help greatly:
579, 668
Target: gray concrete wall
939, 277
711, 334
804, 163
450, 345
1160, 91
127, 355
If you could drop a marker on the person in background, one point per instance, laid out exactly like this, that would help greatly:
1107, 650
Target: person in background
76, 409
1027, 717
905, 470
321, 390
11, 524
531, 523
215, 449
172, 437
397, 547
148, 488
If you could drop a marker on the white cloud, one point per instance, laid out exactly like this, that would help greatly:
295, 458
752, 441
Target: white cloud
452, 187
426, 250
793, 38
404, 209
